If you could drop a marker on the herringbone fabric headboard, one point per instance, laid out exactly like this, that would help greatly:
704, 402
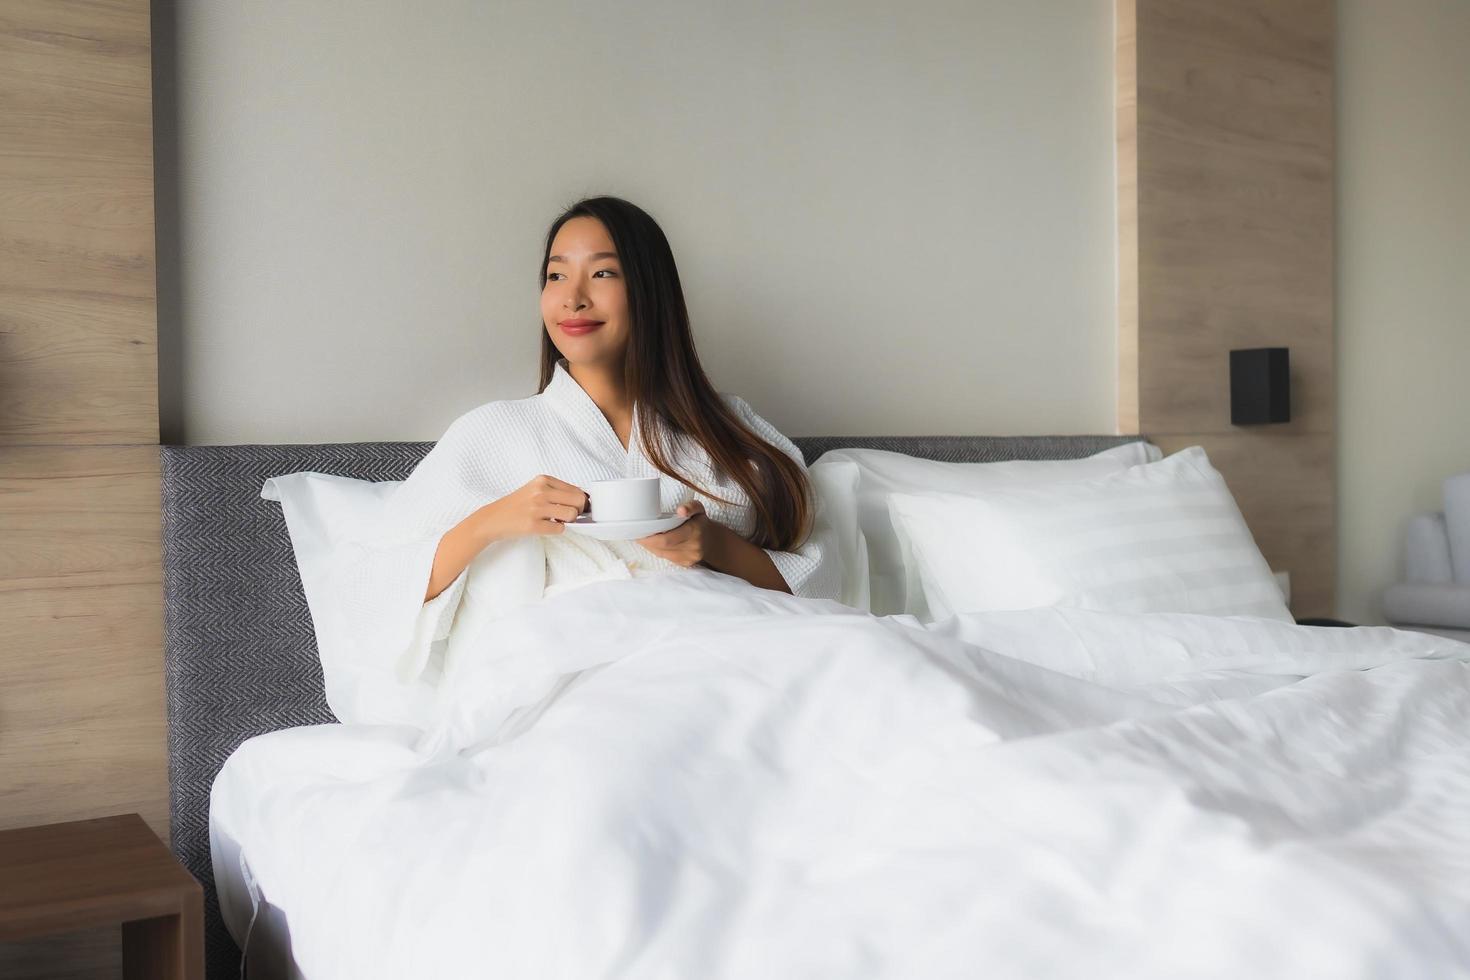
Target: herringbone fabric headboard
240, 656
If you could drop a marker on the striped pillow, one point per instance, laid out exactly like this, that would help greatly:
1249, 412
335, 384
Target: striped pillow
1158, 537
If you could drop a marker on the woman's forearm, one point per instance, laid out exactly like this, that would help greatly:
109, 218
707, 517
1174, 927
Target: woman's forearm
736, 556
457, 549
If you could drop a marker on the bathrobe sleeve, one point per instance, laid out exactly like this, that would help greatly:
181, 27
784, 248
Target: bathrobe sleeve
814, 569
388, 630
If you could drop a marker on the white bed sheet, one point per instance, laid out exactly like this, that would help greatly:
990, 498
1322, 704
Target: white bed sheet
253, 922
688, 777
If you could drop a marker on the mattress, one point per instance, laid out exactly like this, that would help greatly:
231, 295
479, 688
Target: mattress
240, 847
258, 927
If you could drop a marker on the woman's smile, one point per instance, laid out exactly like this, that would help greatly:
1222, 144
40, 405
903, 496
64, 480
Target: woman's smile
576, 327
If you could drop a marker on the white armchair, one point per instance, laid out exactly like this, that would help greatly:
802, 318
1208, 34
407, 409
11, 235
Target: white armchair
1435, 593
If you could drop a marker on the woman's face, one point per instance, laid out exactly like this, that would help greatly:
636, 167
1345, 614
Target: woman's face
584, 282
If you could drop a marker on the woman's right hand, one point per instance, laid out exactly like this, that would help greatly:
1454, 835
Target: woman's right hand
542, 506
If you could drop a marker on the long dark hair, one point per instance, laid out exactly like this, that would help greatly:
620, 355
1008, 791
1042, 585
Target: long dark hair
665, 380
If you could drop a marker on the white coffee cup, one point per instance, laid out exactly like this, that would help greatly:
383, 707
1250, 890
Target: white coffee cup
624, 500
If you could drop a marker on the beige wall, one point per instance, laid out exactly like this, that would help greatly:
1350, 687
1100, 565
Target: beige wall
889, 218
1403, 280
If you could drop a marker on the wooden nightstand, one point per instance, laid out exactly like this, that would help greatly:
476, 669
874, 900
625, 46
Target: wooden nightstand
110, 871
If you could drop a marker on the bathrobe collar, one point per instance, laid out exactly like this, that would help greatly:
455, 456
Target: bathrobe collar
572, 400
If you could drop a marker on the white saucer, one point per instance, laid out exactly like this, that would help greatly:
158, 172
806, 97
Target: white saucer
624, 530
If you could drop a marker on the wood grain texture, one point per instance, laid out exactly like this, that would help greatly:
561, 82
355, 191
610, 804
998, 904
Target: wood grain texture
1235, 203
1225, 205
81, 634
85, 733
82, 727
169, 946
99, 873
78, 337
1125, 76
87, 954
84, 873
77, 516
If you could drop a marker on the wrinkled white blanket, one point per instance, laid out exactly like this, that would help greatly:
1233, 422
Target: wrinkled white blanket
685, 777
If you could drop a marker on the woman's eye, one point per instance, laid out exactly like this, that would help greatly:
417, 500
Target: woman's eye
552, 276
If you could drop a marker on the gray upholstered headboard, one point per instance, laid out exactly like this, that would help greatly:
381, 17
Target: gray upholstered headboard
240, 655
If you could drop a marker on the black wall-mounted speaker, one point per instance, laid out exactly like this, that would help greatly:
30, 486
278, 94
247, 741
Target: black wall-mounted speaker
1260, 386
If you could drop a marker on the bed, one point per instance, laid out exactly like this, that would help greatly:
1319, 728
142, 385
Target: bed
241, 662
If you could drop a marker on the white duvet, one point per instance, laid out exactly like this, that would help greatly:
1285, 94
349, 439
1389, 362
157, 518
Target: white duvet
684, 777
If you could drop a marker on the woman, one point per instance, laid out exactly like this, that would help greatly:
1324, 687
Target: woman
622, 395
607, 264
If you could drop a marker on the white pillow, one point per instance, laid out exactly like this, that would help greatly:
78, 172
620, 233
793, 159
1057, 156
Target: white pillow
882, 472
1159, 537
326, 515
321, 508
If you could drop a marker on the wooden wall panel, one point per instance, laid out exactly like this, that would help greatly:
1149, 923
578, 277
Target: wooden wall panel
82, 724
1225, 204
78, 516
1125, 127
78, 324
81, 635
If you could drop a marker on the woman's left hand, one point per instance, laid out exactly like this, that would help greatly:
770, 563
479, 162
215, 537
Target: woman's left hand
689, 544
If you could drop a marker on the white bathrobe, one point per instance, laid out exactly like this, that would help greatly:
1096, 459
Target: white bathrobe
493, 450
